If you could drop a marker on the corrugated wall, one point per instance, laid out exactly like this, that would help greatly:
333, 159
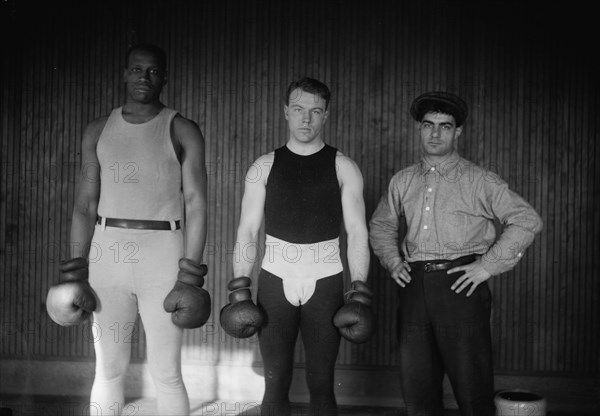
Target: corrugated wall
533, 99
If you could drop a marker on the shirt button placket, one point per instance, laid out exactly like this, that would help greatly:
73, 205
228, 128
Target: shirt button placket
428, 202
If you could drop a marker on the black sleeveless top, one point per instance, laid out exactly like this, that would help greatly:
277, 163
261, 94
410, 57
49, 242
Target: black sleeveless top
303, 203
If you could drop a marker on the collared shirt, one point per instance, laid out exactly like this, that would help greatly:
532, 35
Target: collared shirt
451, 210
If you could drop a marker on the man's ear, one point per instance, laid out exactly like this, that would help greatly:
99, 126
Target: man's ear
325, 116
458, 132
286, 112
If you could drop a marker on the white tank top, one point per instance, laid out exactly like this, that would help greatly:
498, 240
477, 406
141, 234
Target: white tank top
139, 171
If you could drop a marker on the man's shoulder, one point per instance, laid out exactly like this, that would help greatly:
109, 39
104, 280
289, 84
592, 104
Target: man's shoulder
180, 121
185, 131
258, 172
344, 160
266, 157
407, 172
462, 162
476, 172
264, 161
347, 170
100, 121
95, 127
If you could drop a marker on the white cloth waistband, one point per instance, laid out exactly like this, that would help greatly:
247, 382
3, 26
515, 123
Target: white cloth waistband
300, 261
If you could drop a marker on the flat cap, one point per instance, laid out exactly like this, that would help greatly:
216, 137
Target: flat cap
440, 102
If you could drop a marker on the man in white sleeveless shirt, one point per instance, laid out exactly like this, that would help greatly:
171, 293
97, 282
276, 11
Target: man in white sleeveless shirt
139, 226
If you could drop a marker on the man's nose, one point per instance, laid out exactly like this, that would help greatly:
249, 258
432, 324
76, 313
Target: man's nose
435, 131
306, 117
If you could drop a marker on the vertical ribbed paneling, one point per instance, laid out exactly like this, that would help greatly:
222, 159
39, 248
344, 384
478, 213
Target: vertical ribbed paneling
532, 121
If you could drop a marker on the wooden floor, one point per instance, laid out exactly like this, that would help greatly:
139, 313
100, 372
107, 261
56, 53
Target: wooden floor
59, 406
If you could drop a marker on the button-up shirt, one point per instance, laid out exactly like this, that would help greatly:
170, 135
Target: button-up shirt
452, 210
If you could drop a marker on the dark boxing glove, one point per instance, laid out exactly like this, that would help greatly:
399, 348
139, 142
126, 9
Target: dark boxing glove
241, 318
355, 320
72, 301
187, 302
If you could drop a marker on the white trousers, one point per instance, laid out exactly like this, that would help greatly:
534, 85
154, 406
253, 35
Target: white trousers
132, 271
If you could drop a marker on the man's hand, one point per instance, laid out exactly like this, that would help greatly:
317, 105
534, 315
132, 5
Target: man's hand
400, 272
474, 275
189, 304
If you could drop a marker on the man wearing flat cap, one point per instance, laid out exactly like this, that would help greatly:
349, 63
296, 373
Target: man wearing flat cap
443, 262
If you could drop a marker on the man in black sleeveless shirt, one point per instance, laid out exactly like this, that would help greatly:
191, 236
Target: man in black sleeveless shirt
305, 191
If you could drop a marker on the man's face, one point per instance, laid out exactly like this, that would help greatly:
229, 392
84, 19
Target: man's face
144, 77
439, 134
306, 115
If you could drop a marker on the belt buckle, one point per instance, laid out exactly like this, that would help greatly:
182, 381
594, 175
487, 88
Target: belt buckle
429, 267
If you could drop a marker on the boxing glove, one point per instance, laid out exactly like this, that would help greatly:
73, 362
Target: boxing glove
241, 318
71, 301
355, 320
187, 302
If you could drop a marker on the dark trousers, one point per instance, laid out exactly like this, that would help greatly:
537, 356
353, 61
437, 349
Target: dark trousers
321, 340
442, 332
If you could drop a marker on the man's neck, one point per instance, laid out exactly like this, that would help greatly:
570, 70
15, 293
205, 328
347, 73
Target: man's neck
435, 160
140, 112
305, 148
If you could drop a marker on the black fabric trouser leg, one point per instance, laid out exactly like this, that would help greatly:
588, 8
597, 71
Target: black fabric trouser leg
321, 340
440, 332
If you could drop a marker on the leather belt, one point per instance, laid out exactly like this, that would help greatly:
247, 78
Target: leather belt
139, 224
437, 265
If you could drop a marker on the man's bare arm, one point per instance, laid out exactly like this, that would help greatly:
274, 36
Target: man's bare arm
87, 194
353, 205
194, 182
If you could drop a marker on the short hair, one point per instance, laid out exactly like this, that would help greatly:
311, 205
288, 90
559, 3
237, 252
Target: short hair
311, 86
159, 53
